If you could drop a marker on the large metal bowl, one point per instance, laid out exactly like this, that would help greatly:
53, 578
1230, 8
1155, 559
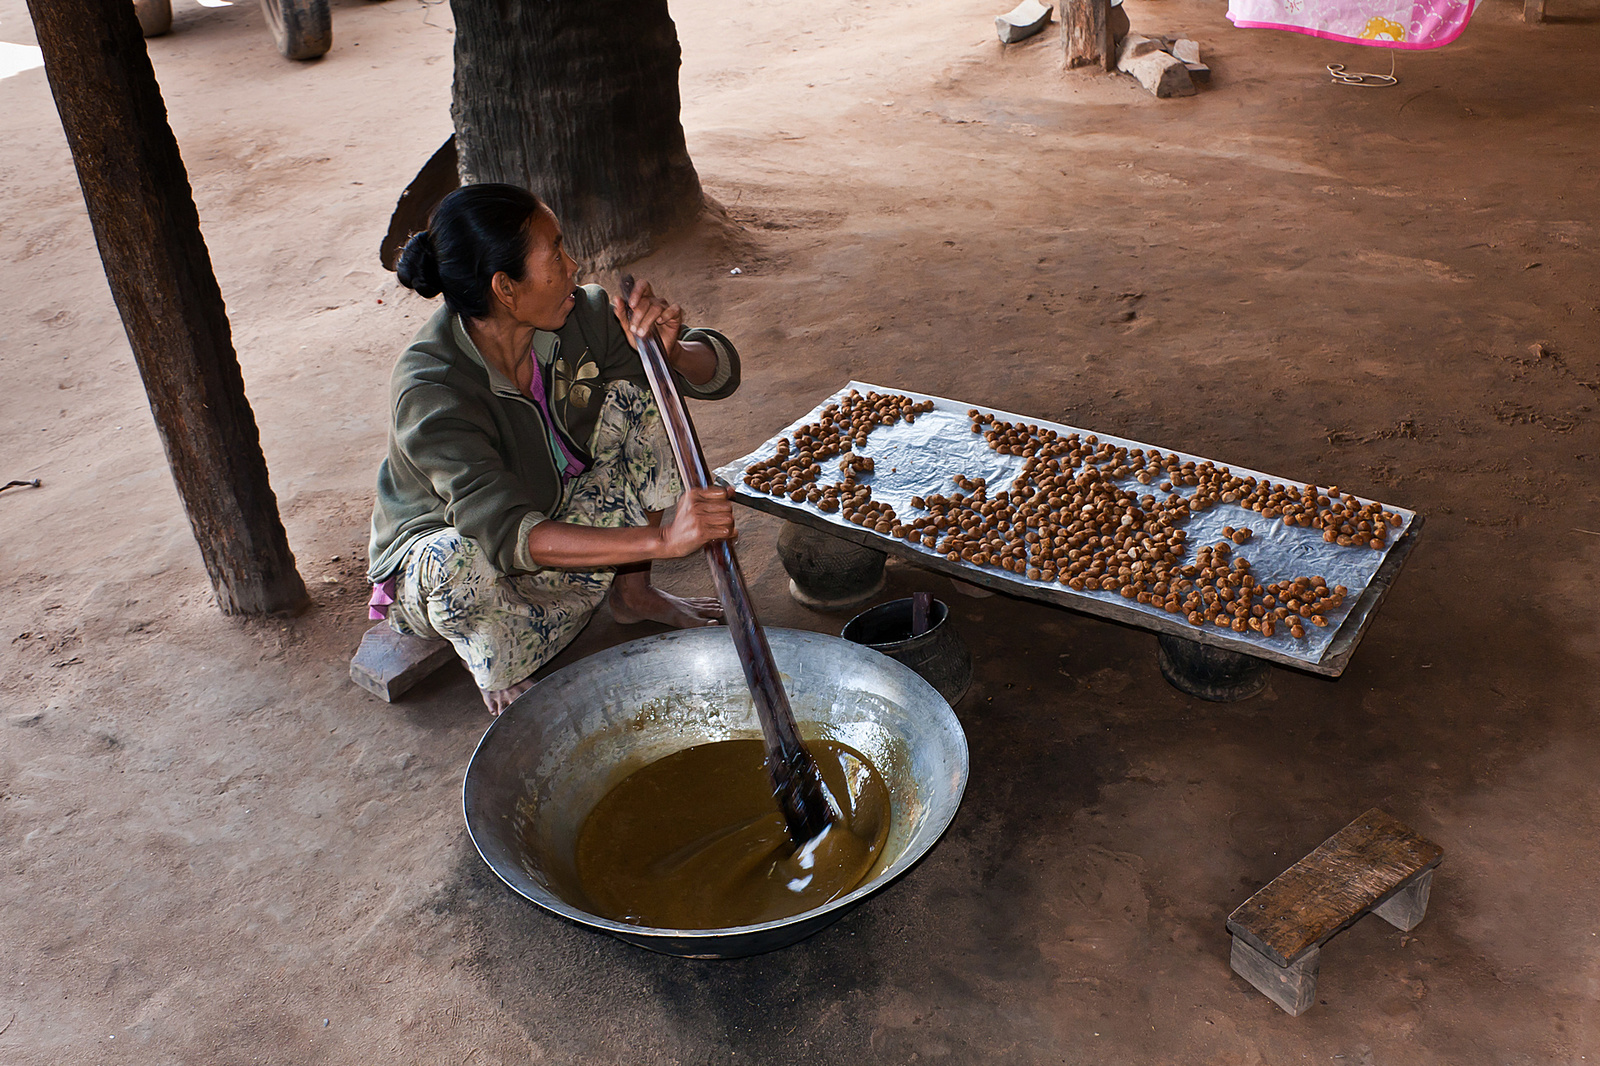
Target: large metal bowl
546, 762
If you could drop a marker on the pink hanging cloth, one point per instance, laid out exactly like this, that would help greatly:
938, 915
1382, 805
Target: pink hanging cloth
1407, 24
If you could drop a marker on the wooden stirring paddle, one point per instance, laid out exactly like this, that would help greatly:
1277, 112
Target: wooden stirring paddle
796, 783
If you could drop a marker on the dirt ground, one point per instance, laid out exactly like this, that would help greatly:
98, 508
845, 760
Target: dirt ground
217, 850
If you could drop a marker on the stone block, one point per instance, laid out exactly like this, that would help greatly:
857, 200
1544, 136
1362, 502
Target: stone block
1198, 72
1185, 50
1133, 46
1160, 73
1023, 21
389, 663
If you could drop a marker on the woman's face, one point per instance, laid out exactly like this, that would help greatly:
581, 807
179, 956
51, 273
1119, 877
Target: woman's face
545, 295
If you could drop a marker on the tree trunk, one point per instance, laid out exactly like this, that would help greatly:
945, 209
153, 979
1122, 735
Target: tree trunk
148, 231
578, 101
1086, 34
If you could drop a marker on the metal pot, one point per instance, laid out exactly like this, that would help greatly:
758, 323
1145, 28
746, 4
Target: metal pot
939, 654
552, 755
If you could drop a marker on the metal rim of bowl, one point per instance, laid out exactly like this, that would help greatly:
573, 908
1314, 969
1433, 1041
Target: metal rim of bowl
636, 933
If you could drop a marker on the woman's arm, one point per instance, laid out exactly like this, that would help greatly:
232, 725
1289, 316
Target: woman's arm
694, 360
702, 516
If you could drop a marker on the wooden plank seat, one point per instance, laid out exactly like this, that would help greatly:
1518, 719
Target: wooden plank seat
389, 663
1373, 864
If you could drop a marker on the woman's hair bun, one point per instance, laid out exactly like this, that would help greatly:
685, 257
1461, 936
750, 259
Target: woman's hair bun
418, 269
476, 232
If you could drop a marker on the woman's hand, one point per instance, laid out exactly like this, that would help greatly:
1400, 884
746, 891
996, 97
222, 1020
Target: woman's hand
702, 516
645, 312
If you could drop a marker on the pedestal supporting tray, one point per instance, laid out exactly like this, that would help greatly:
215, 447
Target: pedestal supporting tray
921, 457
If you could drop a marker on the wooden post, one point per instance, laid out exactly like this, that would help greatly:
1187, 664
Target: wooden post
1086, 33
148, 231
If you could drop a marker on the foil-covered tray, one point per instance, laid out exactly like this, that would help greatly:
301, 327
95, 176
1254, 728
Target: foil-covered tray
921, 458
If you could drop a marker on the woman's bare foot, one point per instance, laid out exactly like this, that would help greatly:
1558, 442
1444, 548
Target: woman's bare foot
500, 699
635, 599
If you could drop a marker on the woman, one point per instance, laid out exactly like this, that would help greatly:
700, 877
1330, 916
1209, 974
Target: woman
528, 468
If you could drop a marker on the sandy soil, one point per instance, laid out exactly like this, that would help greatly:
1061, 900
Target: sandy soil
218, 850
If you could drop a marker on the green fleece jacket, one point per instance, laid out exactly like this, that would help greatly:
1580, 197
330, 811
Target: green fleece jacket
468, 449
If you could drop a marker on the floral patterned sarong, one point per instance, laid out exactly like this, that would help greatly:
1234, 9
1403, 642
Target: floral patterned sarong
505, 628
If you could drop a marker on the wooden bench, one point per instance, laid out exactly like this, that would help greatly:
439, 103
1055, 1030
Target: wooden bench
1373, 864
389, 663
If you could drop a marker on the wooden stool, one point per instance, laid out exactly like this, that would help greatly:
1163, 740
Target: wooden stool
1373, 864
389, 663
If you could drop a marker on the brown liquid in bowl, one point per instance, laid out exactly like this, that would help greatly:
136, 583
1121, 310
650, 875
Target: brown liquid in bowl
695, 840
